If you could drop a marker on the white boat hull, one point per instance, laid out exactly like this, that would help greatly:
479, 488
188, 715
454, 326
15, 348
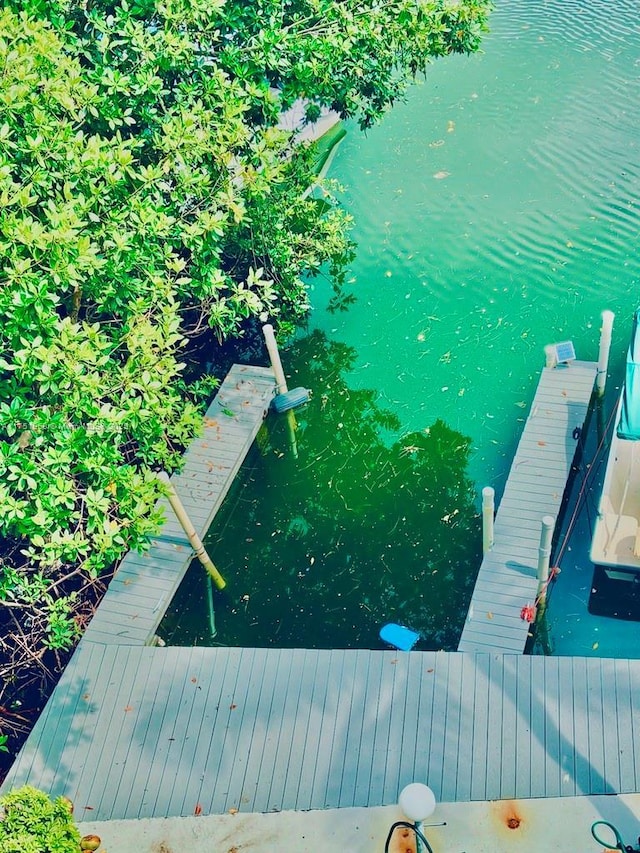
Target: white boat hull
616, 537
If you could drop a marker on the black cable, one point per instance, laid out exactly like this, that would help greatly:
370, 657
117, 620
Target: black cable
409, 826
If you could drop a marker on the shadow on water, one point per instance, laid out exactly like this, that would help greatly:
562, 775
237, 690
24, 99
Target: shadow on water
360, 529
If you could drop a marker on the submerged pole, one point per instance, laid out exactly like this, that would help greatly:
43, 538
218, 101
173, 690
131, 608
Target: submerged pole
605, 346
544, 554
274, 357
210, 607
189, 529
487, 518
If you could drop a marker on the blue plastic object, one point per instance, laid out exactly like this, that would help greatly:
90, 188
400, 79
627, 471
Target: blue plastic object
399, 637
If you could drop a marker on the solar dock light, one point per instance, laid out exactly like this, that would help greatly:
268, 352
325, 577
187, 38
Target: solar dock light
418, 802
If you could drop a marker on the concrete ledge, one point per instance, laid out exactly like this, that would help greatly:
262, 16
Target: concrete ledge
502, 826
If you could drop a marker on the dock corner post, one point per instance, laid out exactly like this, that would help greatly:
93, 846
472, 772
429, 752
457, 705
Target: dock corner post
189, 529
487, 518
550, 359
544, 555
274, 357
605, 346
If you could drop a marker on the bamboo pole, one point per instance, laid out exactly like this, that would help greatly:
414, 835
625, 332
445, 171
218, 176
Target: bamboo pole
281, 384
187, 526
274, 357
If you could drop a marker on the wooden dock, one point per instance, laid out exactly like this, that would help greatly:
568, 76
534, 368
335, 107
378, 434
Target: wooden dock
507, 580
144, 585
135, 732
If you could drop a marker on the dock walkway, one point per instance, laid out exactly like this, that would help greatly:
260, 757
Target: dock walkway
135, 732
507, 580
144, 584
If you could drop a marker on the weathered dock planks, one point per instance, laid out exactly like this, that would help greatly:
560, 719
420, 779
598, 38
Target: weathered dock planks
507, 580
135, 732
144, 585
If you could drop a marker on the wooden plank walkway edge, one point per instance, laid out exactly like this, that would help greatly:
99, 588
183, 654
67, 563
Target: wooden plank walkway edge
132, 731
135, 732
144, 585
507, 579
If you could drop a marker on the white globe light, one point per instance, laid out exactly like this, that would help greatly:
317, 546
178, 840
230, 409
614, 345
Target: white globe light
417, 801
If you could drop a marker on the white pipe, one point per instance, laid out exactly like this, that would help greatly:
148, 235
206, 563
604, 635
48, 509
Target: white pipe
605, 346
544, 554
487, 518
274, 356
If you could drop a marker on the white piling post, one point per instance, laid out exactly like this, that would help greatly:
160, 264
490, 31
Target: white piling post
550, 359
274, 356
487, 518
544, 555
187, 526
605, 346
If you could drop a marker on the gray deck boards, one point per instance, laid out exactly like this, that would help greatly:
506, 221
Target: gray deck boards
144, 585
507, 580
134, 731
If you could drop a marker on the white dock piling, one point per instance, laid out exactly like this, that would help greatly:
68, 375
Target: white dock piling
187, 526
605, 346
550, 359
544, 554
274, 356
487, 518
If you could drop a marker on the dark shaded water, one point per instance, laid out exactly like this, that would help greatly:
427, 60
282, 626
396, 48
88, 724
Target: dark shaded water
496, 211
357, 530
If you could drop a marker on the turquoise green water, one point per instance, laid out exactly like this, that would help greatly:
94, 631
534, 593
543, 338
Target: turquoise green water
496, 211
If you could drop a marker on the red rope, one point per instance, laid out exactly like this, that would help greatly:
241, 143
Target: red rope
528, 612
585, 483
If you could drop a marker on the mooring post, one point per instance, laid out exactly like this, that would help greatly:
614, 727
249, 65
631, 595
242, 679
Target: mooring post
274, 357
550, 359
605, 346
487, 518
187, 526
281, 383
544, 555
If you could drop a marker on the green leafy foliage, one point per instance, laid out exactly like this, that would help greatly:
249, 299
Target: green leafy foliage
34, 823
355, 56
148, 200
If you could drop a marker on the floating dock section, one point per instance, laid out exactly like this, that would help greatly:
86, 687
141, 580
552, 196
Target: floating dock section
507, 580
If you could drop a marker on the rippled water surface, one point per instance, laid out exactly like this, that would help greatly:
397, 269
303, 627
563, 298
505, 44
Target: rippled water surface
496, 211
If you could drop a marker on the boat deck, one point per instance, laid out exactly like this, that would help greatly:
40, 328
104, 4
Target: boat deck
134, 732
507, 580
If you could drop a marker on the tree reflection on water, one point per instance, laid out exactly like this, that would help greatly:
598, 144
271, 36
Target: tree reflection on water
360, 529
